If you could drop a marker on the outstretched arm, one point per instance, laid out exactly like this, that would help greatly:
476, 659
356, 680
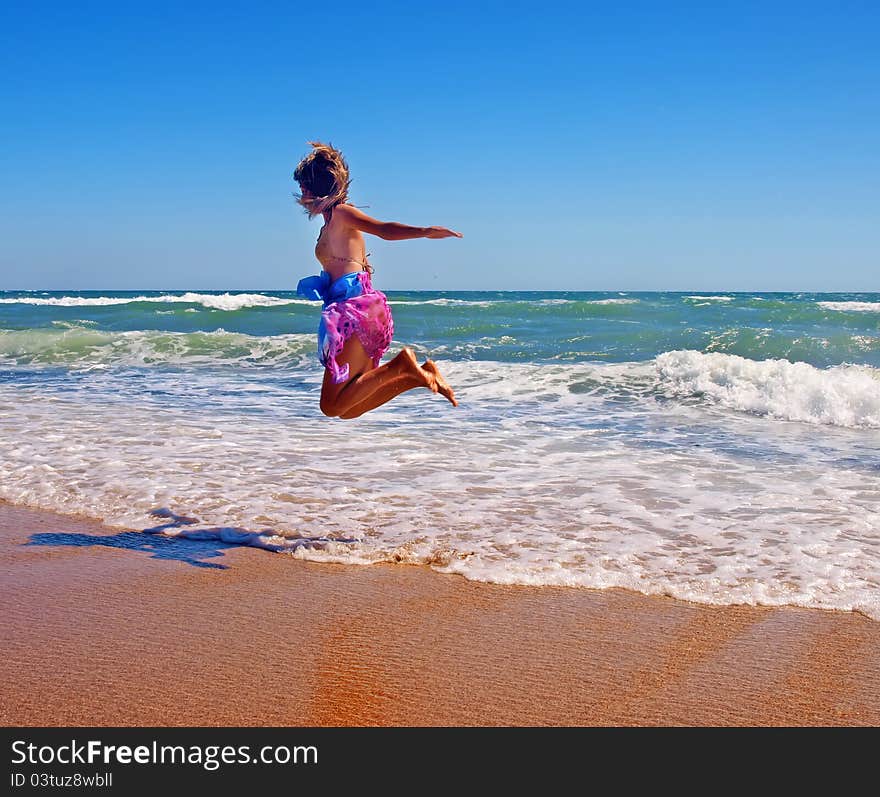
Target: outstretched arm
389, 230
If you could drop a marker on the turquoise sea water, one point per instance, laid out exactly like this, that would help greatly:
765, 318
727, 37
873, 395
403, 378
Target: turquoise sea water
721, 448
819, 329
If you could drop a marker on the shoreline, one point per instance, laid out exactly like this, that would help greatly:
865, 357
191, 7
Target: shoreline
112, 627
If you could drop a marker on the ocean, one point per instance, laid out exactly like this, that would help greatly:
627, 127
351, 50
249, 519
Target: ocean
719, 448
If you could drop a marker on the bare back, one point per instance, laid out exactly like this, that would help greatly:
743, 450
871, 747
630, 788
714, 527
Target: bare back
340, 248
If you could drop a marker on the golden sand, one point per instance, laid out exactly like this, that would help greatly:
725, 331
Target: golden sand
108, 627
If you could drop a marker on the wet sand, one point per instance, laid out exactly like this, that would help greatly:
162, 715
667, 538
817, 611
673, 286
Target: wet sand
108, 627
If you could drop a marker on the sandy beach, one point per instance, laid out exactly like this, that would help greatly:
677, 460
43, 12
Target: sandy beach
109, 627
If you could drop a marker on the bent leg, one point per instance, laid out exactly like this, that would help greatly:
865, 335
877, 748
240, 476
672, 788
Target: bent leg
371, 387
396, 386
383, 394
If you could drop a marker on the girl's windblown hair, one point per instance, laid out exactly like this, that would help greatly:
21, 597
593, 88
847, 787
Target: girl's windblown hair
323, 173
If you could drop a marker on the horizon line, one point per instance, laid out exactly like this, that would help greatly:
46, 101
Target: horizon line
435, 290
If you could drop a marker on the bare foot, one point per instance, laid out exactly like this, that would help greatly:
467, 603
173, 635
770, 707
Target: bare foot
442, 385
410, 364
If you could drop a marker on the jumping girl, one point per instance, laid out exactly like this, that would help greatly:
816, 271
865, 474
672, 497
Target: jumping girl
356, 326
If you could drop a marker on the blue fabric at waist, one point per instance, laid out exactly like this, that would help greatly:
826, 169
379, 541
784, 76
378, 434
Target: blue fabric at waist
321, 287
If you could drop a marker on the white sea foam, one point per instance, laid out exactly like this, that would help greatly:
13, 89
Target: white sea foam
85, 346
840, 396
710, 298
855, 307
225, 301
561, 474
444, 302
865, 342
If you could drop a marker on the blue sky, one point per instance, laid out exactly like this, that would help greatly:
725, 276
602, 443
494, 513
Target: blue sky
655, 146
